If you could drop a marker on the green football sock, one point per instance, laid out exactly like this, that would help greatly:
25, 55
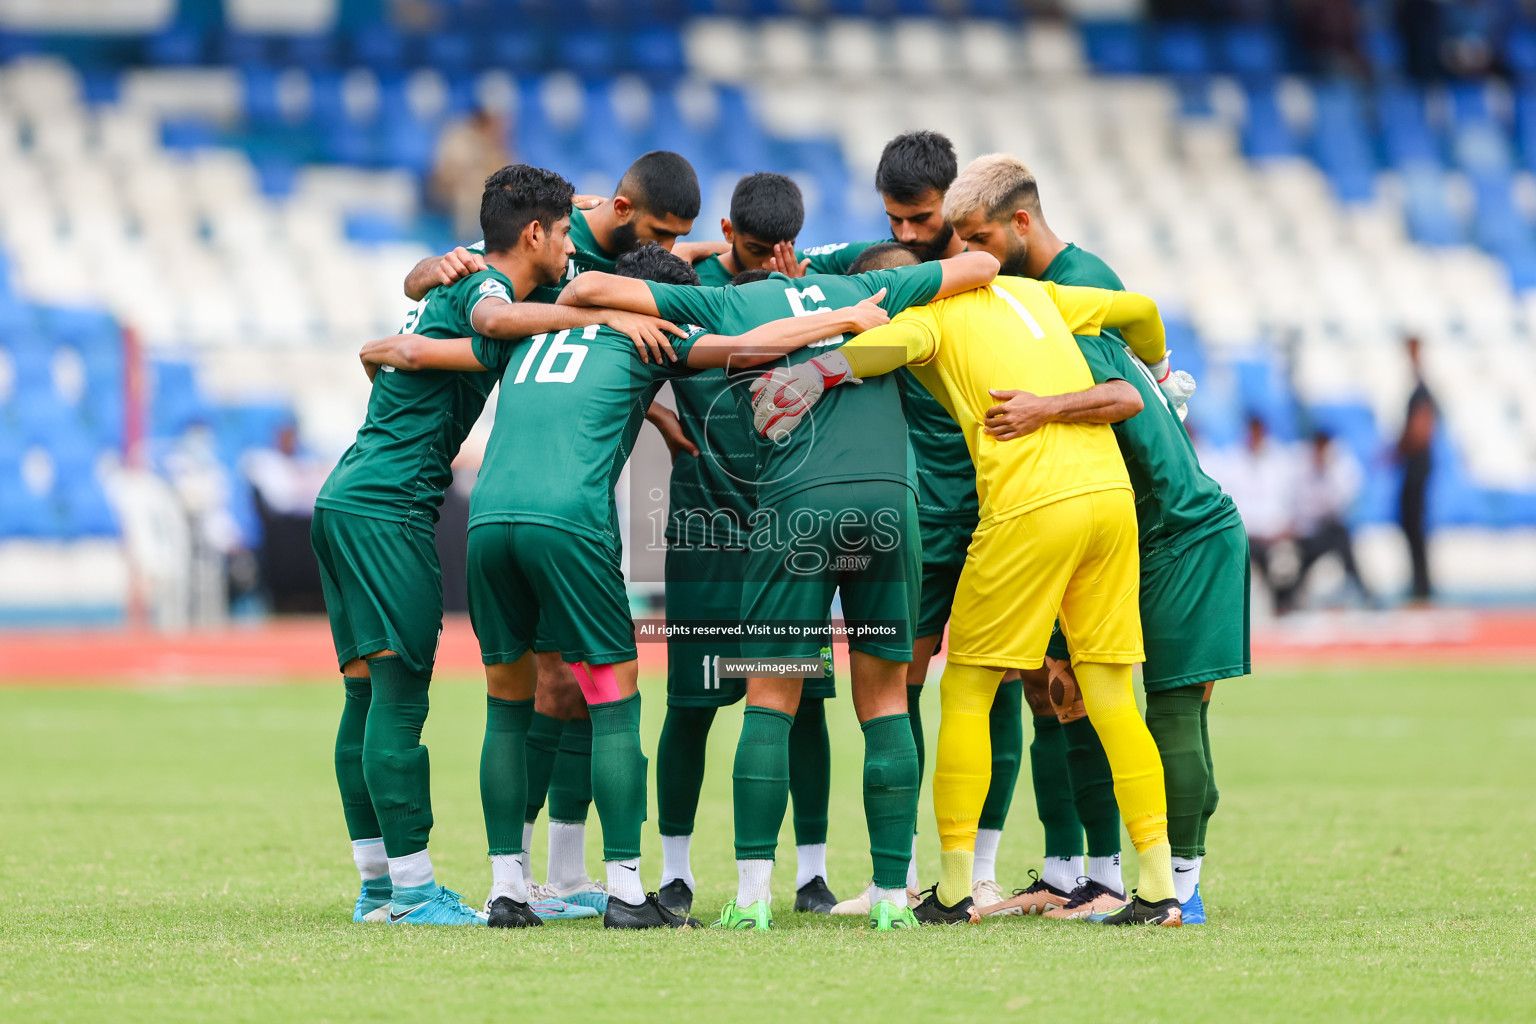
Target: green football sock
1212, 795
395, 762
810, 771
760, 781
504, 773
1053, 789
1007, 729
542, 745
1093, 789
356, 804
618, 776
1173, 718
890, 796
680, 768
915, 713
570, 783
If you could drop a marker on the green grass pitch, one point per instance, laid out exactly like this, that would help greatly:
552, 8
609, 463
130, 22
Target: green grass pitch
179, 853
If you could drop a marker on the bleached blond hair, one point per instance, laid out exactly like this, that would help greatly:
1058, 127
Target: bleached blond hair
996, 184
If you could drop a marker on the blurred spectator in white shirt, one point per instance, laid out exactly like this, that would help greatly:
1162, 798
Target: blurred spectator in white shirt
286, 480
1261, 479
1326, 489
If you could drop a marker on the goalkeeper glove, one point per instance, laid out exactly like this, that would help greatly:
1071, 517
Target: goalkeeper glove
1176, 385
784, 395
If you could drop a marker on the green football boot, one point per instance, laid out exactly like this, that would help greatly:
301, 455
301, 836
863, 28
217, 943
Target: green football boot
756, 916
886, 916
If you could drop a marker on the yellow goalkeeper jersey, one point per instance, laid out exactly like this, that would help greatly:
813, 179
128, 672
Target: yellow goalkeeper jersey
1014, 334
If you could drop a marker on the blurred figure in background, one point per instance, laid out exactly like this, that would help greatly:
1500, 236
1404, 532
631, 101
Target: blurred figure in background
468, 151
1261, 480
285, 481
1413, 451
1326, 488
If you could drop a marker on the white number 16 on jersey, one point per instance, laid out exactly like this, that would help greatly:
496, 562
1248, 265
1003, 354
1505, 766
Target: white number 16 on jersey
546, 373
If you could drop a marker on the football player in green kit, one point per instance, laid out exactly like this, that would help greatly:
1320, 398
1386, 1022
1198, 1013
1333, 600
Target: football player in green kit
914, 171
543, 543
854, 493
373, 537
656, 200
1194, 590
712, 498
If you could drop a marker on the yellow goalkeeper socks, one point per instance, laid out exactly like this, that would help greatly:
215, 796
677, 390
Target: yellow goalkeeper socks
1137, 770
955, 868
962, 770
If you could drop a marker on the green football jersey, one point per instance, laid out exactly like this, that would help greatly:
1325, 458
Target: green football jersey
588, 256
712, 273
570, 407
400, 464
946, 479
1176, 502
857, 432
836, 257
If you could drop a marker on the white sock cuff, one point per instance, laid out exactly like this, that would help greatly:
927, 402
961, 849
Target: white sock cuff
528, 851
624, 881
675, 859
753, 881
1186, 875
369, 856
411, 871
567, 855
984, 867
810, 861
1106, 871
1062, 872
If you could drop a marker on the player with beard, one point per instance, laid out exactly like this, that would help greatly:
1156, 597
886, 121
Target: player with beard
914, 172
1194, 581
373, 539
712, 497
544, 543
656, 200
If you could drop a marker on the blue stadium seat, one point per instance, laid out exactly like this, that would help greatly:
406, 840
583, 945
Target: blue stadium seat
451, 52
1406, 133
179, 45
589, 52
1114, 48
1250, 51
174, 401
240, 49
656, 53
85, 509
188, 134
1520, 53
520, 51
1182, 49
1427, 208
378, 46
317, 51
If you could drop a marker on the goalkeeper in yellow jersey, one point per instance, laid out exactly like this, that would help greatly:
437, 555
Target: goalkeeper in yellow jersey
1057, 536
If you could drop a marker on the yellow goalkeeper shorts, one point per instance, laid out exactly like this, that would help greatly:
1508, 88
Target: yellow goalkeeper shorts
1076, 558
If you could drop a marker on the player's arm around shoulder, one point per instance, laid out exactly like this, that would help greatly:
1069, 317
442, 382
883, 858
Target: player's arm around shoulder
966, 271
418, 352
780, 337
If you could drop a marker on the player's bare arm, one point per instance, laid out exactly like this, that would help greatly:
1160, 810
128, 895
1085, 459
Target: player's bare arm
441, 270
497, 318
418, 352
781, 337
595, 288
671, 429
1019, 413
966, 271
694, 252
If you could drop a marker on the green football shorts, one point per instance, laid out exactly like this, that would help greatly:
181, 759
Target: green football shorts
383, 587
944, 548
704, 586
531, 584
1194, 612
859, 540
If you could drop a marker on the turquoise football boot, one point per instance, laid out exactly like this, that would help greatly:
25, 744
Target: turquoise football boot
432, 904
373, 902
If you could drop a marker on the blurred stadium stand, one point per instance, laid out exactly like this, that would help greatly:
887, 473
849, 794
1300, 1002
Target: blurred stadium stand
237, 185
